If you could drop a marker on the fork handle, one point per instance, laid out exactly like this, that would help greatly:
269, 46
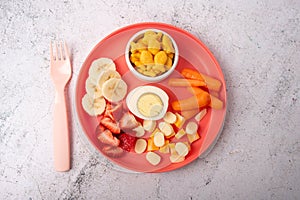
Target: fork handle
61, 139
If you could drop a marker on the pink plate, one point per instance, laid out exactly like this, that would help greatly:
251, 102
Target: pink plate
192, 54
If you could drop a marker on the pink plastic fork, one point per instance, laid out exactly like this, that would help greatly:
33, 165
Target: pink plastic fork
61, 72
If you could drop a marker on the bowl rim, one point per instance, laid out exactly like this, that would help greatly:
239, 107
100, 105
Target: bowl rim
148, 78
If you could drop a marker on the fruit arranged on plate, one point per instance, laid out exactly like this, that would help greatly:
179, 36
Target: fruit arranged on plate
167, 137
148, 128
152, 53
103, 84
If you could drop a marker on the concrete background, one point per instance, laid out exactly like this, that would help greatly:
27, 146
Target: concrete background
257, 44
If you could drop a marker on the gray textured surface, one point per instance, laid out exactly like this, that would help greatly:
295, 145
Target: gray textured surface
258, 47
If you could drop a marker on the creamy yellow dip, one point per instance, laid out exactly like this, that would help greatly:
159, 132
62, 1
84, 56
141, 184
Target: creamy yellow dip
150, 105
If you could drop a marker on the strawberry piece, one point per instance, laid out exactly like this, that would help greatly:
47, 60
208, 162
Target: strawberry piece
99, 129
127, 142
106, 137
112, 151
114, 112
128, 121
111, 125
99, 118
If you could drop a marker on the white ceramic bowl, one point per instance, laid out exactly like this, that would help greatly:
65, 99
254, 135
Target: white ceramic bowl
140, 76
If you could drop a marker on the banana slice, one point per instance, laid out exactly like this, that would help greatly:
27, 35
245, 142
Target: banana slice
92, 106
191, 128
170, 117
153, 158
181, 148
92, 90
106, 75
149, 125
100, 65
114, 89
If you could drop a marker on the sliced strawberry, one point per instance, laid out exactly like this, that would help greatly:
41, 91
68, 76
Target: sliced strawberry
127, 142
124, 106
111, 125
128, 121
106, 137
112, 151
99, 118
114, 111
99, 129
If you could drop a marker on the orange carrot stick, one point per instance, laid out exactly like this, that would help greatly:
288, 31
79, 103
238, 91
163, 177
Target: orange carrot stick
191, 74
196, 101
188, 114
215, 102
181, 82
212, 83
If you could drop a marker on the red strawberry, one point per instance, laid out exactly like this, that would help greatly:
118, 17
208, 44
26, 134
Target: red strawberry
127, 142
106, 137
113, 111
112, 151
99, 118
99, 129
128, 121
111, 125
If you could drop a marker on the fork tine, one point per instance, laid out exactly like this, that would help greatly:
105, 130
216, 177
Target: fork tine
61, 51
66, 51
56, 49
51, 51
